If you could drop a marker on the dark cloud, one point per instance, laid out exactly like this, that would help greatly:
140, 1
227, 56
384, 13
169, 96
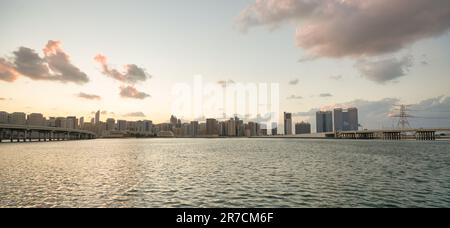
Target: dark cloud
325, 95
294, 82
135, 114
132, 73
89, 96
354, 28
54, 66
382, 71
2, 99
295, 97
132, 92
104, 112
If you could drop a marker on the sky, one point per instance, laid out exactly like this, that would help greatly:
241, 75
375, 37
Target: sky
65, 58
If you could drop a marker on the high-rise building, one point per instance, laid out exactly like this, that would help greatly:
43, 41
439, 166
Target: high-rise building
81, 125
110, 124
18, 118
302, 128
211, 127
72, 122
173, 122
231, 128
324, 121
97, 117
287, 123
346, 120
194, 129
352, 119
338, 119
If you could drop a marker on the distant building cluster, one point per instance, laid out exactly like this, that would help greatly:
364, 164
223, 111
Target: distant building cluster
326, 121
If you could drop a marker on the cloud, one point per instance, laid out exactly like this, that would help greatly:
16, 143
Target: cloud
135, 114
89, 96
54, 66
7, 71
382, 71
59, 63
325, 95
336, 77
352, 28
132, 73
294, 82
2, 99
132, 92
295, 97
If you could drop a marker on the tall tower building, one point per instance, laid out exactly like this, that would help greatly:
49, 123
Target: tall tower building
287, 123
324, 121
338, 119
97, 117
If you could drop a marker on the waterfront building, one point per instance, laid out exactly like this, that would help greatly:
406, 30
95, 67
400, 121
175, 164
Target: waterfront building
231, 128
122, 125
81, 123
346, 120
97, 117
4, 117
110, 124
287, 123
61, 122
194, 129
274, 129
51, 122
72, 122
302, 128
35, 119
18, 118
324, 121
211, 127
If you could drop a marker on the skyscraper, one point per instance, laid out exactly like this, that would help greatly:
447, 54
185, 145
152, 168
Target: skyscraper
352, 119
97, 117
324, 121
287, 123
346, 120
194, 128
81, 122
338, 119
211, 127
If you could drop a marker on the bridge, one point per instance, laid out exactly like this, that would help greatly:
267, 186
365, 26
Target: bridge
418, 134
24, 133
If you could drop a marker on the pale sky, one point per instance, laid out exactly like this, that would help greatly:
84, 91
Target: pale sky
239, 40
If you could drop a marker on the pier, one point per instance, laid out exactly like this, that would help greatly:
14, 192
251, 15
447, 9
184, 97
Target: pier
393, 135
25, 133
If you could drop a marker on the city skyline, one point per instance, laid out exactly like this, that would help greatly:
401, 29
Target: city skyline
127, 66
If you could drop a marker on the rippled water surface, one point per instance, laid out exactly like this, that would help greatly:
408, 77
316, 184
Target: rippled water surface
225, 173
